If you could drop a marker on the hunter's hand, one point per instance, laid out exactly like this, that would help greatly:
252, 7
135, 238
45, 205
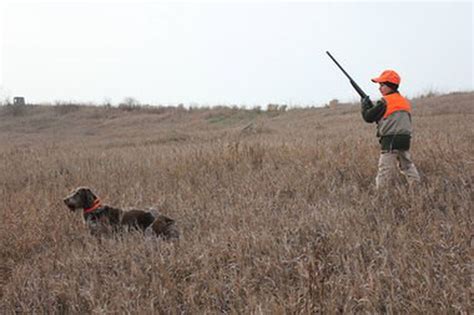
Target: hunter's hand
366, 102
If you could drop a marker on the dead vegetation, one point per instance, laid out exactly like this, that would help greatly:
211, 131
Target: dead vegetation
278, 213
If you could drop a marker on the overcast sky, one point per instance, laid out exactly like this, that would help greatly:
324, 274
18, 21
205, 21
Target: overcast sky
240, 53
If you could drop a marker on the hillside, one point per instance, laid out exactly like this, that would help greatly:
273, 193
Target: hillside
277, 210
115, 126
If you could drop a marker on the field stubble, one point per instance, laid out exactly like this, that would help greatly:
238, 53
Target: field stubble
278, 213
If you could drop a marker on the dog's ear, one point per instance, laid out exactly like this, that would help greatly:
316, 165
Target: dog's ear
88, 197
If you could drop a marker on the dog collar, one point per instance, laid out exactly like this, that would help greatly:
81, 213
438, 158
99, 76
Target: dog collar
94, 207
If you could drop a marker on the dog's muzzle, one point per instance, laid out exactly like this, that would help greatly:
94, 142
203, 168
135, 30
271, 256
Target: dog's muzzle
70, 204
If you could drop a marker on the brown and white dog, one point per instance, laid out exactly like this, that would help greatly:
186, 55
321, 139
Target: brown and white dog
105, 219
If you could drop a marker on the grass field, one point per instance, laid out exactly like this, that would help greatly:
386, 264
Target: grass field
277, 210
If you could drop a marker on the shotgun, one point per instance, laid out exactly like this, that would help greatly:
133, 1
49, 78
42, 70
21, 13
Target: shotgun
354, 84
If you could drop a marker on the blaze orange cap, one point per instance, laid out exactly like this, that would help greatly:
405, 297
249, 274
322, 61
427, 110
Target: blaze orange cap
388, 76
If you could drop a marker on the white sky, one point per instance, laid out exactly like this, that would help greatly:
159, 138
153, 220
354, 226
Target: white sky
241, 53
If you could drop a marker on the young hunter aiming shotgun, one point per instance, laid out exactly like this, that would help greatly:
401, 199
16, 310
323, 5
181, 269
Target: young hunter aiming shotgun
392, 114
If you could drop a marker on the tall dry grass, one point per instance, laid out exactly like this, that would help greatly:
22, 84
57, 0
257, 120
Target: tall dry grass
278, 212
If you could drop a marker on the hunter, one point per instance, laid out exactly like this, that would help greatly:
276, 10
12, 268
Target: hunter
392, 113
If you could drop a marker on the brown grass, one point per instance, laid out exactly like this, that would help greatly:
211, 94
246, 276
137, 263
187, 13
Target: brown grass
278, 212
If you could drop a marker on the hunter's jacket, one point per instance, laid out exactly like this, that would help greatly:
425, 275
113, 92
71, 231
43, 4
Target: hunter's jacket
397, 117
393, 117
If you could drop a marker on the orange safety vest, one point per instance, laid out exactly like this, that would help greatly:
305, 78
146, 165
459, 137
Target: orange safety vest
396, 102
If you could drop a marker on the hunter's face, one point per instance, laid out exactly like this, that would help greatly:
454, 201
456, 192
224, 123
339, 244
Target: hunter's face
384, 89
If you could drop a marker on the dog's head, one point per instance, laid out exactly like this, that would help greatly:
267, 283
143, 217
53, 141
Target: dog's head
80, 198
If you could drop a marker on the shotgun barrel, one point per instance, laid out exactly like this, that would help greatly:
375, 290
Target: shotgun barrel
353, 83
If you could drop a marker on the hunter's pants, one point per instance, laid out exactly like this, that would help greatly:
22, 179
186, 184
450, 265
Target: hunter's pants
389, 162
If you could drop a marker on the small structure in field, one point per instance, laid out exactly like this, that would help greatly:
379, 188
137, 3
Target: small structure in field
18, 101
334, 103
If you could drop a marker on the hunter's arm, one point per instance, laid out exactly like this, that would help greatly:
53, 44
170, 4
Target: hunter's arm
373, 113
